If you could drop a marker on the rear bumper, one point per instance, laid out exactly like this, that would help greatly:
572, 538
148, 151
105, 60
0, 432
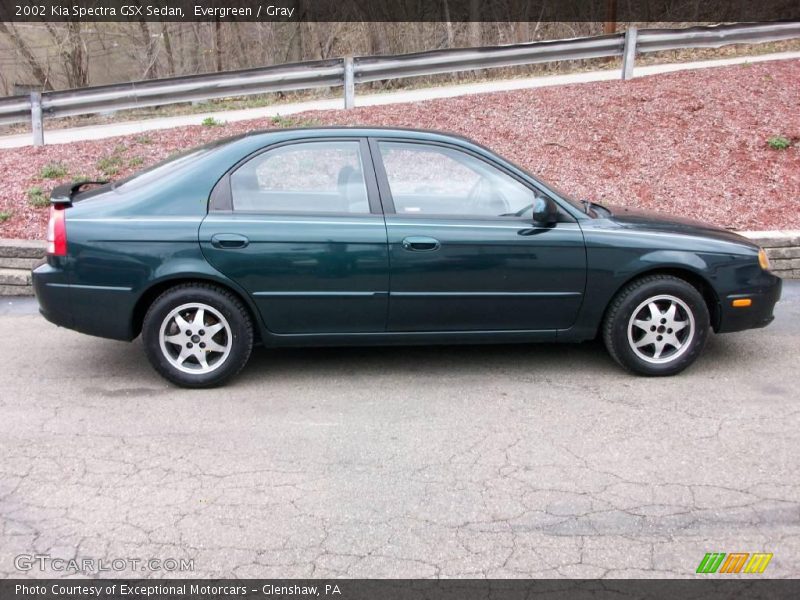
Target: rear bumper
759, 314
95, 310
52, 292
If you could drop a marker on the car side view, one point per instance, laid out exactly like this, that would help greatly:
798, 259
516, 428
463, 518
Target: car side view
356, 236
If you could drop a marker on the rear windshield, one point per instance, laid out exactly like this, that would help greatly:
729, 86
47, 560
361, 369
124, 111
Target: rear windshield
167, 167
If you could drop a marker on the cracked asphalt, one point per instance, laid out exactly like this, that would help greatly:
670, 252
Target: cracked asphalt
484, 461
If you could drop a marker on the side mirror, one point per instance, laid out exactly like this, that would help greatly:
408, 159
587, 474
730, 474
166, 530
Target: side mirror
545, 211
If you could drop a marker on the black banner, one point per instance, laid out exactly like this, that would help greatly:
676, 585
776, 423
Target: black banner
713, 588
399, 10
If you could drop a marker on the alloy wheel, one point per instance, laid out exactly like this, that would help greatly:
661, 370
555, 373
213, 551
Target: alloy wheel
661, 329
195, 338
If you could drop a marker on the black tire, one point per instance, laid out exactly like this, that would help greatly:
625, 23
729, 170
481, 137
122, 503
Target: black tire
628, 339
225, 323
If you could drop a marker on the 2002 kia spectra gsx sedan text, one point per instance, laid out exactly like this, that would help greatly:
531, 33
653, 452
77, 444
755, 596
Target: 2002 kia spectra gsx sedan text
377, 236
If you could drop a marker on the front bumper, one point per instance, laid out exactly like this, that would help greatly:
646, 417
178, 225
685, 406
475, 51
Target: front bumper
759, 314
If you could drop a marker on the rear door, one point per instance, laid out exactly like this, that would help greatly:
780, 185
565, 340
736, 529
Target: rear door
299, 226
464, 252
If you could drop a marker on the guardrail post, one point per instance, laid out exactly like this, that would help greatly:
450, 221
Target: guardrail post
629, 53
349, 83
37, 128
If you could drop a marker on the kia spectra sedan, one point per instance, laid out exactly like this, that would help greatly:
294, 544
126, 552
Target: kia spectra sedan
381, 236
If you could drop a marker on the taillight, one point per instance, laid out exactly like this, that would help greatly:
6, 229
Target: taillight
57, 232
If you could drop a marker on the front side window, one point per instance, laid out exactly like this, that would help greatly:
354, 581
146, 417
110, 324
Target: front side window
437, 180
307, 177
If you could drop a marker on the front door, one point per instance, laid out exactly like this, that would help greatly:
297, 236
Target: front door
464, 253
304, 235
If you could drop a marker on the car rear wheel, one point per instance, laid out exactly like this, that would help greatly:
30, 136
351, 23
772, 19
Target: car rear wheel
197, 335
656, 325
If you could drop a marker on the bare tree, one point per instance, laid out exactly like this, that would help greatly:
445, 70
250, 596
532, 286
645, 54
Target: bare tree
448, 25
217, 45
72, 50
168, 48
475, 29
150, 59
37, 71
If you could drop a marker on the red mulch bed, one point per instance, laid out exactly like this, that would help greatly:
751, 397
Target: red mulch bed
692, 143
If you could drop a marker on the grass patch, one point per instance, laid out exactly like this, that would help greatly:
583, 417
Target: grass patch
5, 215
110, 165
53, 171
37, 197
144, 139
778, 142
136, 161
212, 122
281, 121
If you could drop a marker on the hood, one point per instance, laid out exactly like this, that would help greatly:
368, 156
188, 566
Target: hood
654, 221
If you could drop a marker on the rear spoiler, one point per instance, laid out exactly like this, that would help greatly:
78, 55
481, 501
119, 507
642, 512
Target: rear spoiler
62, 195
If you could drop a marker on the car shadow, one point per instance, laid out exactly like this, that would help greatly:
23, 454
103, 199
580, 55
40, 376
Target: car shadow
514, 360
429, 358
518, 361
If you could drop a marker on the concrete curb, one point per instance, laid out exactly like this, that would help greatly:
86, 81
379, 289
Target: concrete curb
783, 250
18, 257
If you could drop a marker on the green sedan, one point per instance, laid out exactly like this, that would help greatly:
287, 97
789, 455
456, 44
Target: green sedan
347, 236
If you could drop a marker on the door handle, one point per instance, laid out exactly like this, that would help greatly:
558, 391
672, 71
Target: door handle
421, 244
229, 240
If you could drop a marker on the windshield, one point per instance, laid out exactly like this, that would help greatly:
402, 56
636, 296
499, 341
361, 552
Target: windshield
564, 196
548, 188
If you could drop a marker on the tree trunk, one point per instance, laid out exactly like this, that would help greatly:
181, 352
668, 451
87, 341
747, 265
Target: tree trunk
168, 48
150, 67
447, 23
218, 45
475, 26
522, 32
74, 57
610, 26
295, 49
377, 39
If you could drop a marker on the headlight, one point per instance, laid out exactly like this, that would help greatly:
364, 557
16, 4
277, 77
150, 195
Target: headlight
763, 259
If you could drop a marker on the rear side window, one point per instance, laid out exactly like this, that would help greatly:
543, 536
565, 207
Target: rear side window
307, 177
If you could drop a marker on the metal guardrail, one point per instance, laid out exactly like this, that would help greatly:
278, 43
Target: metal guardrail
15, 109
186, 89
349, 71
655, 40
158, 92
375, 68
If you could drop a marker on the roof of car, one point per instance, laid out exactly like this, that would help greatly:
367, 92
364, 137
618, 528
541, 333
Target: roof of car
361, 131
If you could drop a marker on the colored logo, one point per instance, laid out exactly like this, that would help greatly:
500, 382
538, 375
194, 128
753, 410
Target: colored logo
737, 562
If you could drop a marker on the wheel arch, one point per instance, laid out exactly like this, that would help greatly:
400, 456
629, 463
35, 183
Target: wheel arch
148, 296
693, 278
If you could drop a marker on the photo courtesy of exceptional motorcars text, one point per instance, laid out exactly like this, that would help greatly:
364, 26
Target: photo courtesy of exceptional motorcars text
405, 300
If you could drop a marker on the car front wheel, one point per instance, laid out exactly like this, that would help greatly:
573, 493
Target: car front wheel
197, 335
656, 325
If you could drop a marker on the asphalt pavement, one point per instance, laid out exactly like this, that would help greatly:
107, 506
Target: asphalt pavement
481, 461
